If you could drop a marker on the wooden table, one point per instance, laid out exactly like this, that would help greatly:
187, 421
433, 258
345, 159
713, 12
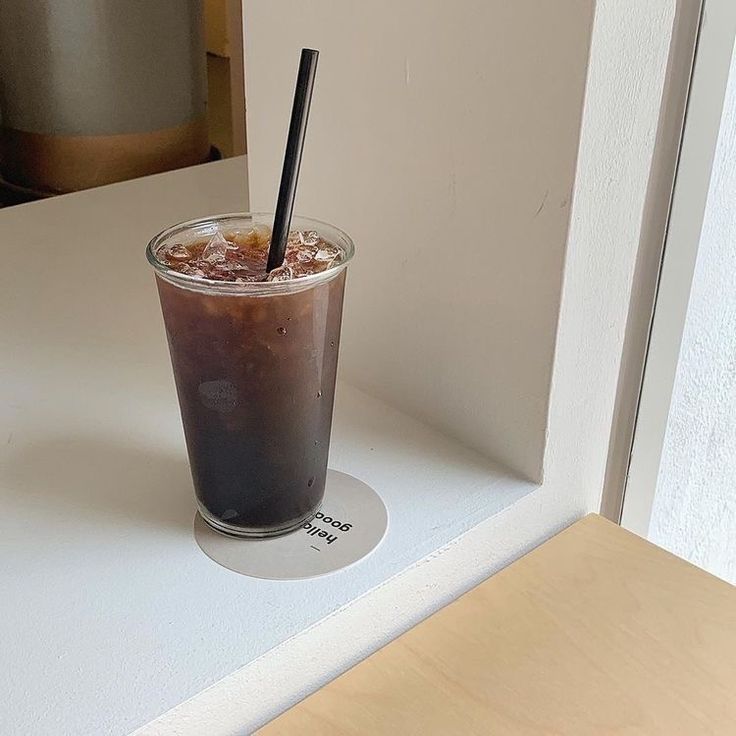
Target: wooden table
595, 632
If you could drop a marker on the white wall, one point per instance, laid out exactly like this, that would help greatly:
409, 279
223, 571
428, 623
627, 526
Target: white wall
694, 511
443, 137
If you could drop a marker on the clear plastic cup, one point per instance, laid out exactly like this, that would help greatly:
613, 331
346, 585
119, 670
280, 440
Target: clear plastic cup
254, 365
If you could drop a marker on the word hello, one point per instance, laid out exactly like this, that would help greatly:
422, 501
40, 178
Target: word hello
313, 530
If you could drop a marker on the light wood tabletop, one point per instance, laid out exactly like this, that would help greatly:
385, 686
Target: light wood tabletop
594, 632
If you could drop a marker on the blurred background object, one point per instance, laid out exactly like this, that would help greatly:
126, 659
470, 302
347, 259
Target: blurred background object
225, 73
98, 91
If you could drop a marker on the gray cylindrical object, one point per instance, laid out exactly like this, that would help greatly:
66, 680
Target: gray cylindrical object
93, 91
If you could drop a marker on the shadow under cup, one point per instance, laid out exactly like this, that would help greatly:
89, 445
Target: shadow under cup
255, 366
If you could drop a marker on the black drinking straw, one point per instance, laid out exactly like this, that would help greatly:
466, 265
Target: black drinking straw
292, 157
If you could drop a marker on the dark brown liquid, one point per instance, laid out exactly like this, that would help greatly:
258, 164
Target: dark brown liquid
255, 377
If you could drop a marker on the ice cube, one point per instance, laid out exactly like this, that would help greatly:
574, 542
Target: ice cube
282, 273
311, 237
177, 252
326, 253
231, 265
216, 249
306, 253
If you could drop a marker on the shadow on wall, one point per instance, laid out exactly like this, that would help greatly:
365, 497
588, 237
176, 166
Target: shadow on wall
98, 481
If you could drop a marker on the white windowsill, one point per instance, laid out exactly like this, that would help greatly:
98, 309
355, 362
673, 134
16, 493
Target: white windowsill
115, 615
111, 614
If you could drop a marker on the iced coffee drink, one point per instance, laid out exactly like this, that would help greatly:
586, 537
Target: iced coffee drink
254, 357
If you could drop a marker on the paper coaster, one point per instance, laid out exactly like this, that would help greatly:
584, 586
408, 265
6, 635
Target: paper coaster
352, 522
